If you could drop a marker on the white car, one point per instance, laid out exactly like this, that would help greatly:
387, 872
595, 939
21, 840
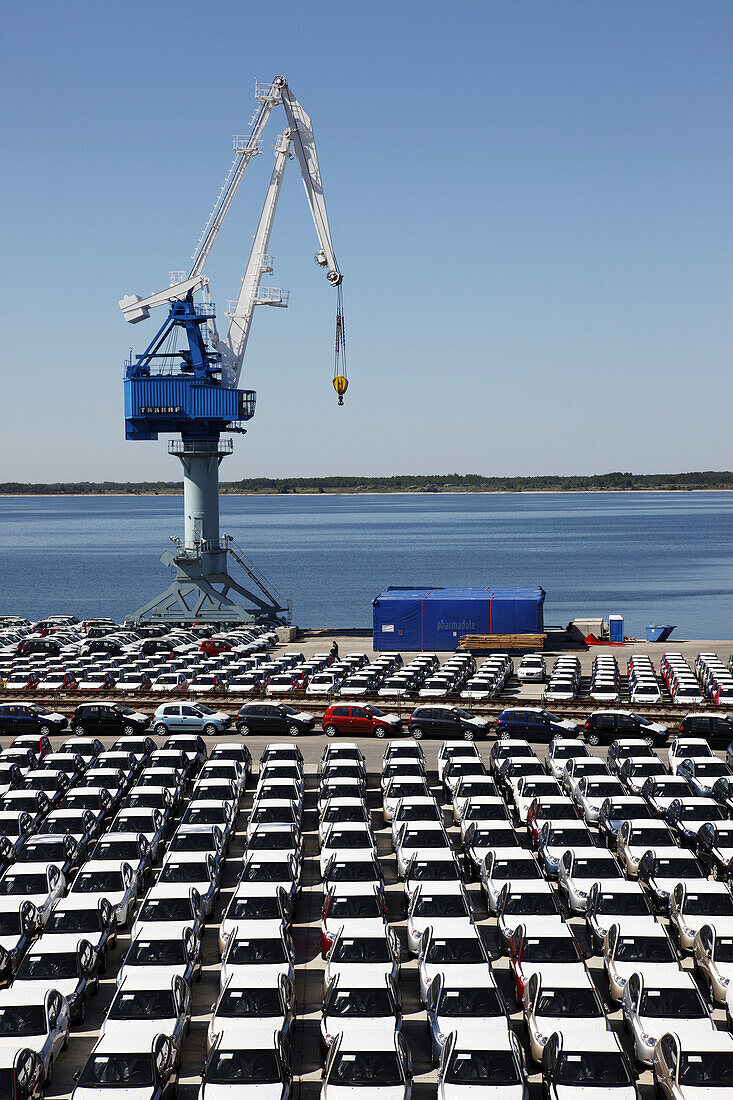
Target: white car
142, 1009
588, 1066
354, 1010
112, 879
638, 836
255, 962
532, 668
563, 1004
244, 1017
579, 766
684, 748
461, 959
471, 1012
699, 1068
153, 1069
491, 1064
654, 1006
580, 868
438, 869
41, 883
592, 792
35, 1020
418, 839
170, 910
357, 1068
621, 902
372, 958
560, 750
519, 902
156, 959
531, 787
506, 865
647, 950
350, 840
693, 904
456, 750
447, 914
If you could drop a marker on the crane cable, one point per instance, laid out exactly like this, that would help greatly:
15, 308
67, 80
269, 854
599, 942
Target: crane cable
340, 376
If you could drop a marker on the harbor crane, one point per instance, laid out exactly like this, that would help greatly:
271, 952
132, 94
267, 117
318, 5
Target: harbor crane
192, 390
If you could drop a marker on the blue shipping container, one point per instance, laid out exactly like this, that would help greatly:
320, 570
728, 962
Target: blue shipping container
436, 618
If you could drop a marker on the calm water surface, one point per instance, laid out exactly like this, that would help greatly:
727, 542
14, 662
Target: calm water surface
651, 557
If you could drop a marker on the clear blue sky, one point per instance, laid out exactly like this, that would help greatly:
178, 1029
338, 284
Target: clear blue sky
530, 200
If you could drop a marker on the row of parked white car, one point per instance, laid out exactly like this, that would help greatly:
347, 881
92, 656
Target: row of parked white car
78, 871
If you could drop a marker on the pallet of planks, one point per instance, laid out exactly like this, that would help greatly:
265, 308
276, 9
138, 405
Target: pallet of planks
489, 642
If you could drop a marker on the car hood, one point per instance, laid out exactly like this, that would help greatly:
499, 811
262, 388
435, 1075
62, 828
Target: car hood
378, 1092
155, 976
119, 1094
443, 927
585, 1092
688, 1030
41, 986
653, 971
9, 1047
10, 942
381, 1028
723, 925
252, 1092
243, 1034
481, 1092
138, 1034
471, 1031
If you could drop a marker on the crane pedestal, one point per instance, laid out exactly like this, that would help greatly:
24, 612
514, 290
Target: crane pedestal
203, 589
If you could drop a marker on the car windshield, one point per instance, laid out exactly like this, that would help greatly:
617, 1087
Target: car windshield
359, 870
495, 838
271, 842
455, 950
677, 868
192, 842
549, 949
482, 1067
271, 815
711, 767
140, 1004
354, 905
245, 1067
116, 849
596, 868
595, 1068
602, 788
21, 1020
156, 953
41, 851
439, 870
161, 909
277, 871
440, 905
265, 908
712, 904
648, 949
352, 839
57, 964
10, 923
365, 949
471, 1002
23, 884
651, 837
724, 949
262, 950
366, 1067
345, 813
242, 1003
205, 815
74, 920
532, 904
630, 905
118, 1071
88, 882
520, 869
360, 1002
682, 1003
192, 871
578, 1003
710, 1068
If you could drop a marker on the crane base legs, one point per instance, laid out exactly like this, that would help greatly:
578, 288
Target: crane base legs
203, 591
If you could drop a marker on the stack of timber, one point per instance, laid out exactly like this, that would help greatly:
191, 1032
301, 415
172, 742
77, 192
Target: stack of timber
476, 642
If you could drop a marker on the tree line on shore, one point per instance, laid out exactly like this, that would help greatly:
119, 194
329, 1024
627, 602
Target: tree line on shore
399, 483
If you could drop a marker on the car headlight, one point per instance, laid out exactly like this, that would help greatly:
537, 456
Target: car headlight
214, 1037
724, 981
621, 982
582, 893
542, 1039
648, 1040
442, 1038
328, 1039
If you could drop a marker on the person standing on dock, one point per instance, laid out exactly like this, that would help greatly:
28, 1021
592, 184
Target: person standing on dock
334, 654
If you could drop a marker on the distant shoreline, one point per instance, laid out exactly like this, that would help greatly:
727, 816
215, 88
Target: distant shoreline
365, 493
398, 484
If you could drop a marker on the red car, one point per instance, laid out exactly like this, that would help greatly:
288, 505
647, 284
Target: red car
212, 647
354, 719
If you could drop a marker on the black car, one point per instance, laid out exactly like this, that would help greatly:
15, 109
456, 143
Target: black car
21, 1075
19, 718
533, 724
446, 722
604, 726
273, 718
713, 727
107, 718
686, 817
46, 646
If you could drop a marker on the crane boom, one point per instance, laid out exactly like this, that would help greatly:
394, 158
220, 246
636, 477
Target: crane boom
234, 345
305, 149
